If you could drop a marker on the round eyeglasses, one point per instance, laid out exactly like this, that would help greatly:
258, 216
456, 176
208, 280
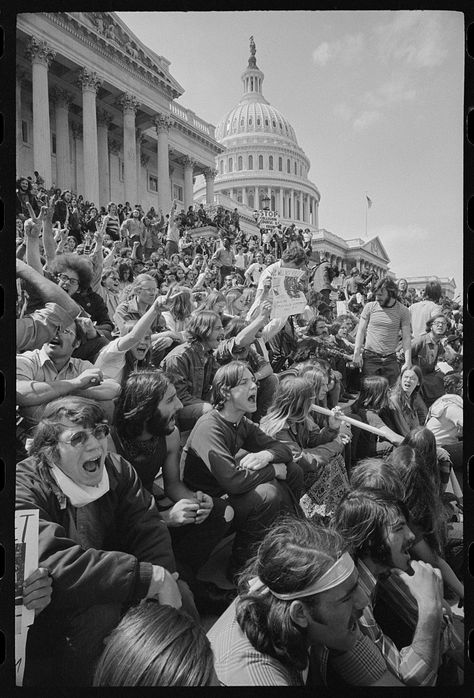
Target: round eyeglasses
79, 438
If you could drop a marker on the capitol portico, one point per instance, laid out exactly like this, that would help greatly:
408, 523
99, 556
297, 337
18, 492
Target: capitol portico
262, 159
96, 113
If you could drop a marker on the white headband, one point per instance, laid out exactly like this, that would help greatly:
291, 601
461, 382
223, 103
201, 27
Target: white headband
336, 574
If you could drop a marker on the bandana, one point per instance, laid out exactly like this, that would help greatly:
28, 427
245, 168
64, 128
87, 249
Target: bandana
335, 575
80, 495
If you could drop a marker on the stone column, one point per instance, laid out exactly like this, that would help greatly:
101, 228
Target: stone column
281, 211
104, 119
210, 176
163, 125
76, 134
129, 104
188, 181
19, 135
301, 206
90, 83
114, 149
256, 199
62, 99
139, 139
316, 213
41, 56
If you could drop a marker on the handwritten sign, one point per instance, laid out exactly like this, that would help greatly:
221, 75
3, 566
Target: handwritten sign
26, 561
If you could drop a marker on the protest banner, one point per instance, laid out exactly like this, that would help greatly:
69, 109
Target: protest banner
26, 561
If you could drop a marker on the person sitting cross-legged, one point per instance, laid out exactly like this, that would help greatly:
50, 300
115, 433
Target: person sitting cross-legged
260, 485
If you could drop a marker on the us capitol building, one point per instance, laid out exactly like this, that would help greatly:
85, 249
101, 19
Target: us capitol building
99, 113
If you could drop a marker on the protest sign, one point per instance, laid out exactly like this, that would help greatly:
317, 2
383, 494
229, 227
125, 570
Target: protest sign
26, 561
287, 297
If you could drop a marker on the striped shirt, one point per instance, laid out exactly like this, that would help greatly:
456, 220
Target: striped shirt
238, 663
384, 325
405, 664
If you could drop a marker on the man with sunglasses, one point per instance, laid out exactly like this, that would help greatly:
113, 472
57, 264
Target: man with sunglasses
100, 537
51, 372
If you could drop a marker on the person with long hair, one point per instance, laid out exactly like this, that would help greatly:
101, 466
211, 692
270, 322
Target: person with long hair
239, 343
155, 645
437, 458
260, 485
234, 302
373, 408
427, 519
289, 420
179, 313
425, 353
125, 274
288, 626
404, 401
191, 366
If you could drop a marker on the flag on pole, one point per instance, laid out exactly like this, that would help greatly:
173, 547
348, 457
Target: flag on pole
369, 201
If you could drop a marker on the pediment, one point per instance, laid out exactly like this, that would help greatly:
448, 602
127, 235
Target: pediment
376, 248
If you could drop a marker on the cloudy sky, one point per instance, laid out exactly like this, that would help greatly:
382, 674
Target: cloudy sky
376, 101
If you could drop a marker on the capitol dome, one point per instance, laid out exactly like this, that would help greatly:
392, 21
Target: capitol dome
263, 164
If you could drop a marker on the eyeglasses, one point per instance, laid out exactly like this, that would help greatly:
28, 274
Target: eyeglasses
79, 438
67, 279
66, 330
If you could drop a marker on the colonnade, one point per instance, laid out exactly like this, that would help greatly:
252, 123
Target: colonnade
95, 138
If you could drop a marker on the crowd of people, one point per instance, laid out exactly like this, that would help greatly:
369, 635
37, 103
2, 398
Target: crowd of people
165, 409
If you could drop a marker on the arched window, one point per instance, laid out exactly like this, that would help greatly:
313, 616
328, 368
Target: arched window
280, 164
240, 163
296, 168
270, 162
250, 162
266, 122
250, 120
260, 162
230, 165
221, 166
258, 121
288, 166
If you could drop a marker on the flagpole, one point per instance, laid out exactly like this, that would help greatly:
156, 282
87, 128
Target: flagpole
366, 212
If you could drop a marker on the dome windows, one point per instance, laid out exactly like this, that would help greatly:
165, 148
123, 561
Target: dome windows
250, 120
267, 123
280, 164
288, 166
250, 162
240, 163
258, 121
230, 165
270, 162
260, 162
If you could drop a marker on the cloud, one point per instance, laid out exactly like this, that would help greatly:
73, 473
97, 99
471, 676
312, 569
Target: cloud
414, 38
346, 50
366, 119
392, 92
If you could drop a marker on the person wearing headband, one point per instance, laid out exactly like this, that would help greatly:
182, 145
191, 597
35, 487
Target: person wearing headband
295, 620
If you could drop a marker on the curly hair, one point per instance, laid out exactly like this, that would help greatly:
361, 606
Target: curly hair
81, 265
293, 555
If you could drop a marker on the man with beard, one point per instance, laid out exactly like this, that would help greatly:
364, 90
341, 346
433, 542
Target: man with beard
378, 334
374, 524
100, 537
294, 622
145, 433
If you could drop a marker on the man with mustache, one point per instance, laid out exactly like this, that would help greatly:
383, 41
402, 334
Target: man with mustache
378, 334
374, 524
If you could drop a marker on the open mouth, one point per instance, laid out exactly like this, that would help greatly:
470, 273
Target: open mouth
92, 466
252, 399
54, 342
